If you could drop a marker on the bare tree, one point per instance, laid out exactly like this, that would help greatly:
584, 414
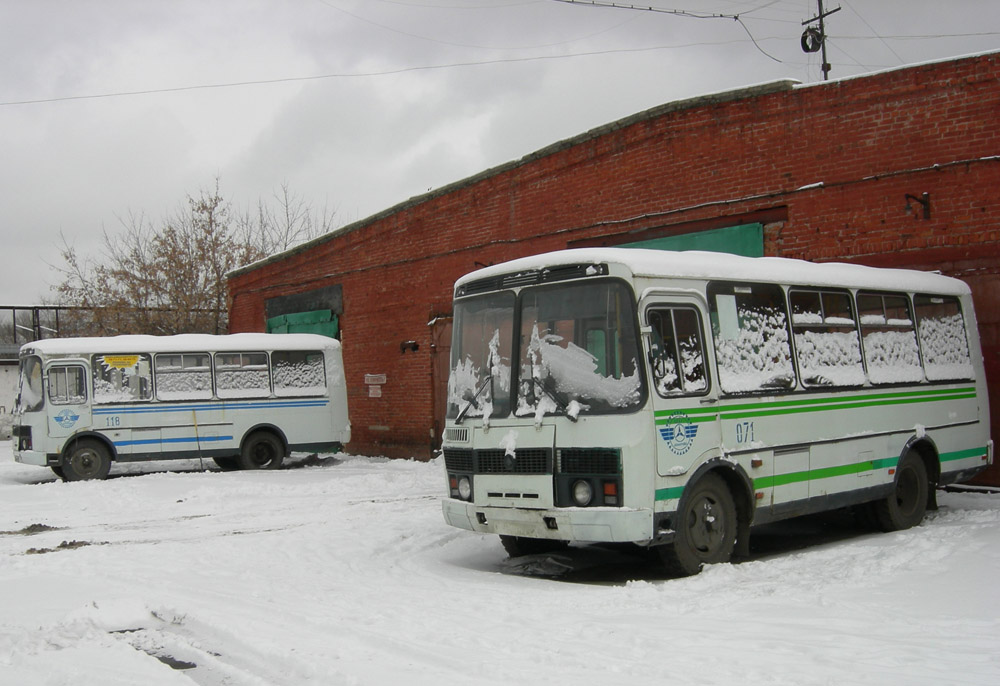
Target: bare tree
172, 279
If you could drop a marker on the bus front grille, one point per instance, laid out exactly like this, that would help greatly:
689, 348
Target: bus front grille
497, 461
588, 461
458, 460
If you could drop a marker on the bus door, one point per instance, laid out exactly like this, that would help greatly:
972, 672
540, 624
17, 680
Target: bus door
67, 402
685, 401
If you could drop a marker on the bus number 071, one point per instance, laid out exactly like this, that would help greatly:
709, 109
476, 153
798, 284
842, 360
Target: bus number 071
744, 432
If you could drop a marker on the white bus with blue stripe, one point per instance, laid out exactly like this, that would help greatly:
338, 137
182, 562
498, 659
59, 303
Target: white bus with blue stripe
244, 400
675, 400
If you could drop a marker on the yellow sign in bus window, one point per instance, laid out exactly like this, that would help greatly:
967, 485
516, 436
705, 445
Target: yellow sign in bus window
121, 361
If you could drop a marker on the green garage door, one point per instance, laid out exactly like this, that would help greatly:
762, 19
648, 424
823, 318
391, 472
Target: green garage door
323, 322
746, 239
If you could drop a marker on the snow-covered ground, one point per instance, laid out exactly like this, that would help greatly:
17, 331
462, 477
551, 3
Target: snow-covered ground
340, 570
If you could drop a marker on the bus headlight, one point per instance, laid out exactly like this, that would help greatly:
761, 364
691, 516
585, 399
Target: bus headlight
464, 488
583, 493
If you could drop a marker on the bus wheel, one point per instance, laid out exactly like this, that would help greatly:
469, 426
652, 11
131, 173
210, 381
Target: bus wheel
227, 464
86, 460
58, 471
262, 451
705, 532
906, 505
518, 546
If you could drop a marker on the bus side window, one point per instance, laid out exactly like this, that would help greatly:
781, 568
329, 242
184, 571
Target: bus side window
676, 353
186, 376
750, 328
242, 375
889, 338
68, 385
298, 373
943, 343
826, 338
122, 378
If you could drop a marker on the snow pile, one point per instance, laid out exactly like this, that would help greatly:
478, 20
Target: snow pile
946, 352
340, 570
756, 355
575, 375
892, 356
831, 355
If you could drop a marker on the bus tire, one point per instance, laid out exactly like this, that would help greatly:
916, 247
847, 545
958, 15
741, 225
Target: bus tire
705, 529
86, 459
518, 546
906, 505
263, 450
227, 464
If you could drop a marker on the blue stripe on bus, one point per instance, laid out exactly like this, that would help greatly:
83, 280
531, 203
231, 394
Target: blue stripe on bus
264, 405
190, 439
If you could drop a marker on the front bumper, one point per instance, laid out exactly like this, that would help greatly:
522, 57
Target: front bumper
31, 457
581, 524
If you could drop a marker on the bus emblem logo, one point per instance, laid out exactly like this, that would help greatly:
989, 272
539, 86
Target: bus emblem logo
66, 419
679, 433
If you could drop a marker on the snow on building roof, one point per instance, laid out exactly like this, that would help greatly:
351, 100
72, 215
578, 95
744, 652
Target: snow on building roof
701, 265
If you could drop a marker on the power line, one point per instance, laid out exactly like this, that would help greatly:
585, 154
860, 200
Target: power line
319, 77
676, 13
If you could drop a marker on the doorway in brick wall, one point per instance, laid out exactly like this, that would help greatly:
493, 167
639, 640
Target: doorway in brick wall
440, 368
745, 239
323, 322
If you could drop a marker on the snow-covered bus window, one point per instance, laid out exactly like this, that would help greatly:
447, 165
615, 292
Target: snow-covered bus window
750, 328
186, 376
298, 373
68, 385
242, 375
482, 344
579, 351
122, 378
889, 338
29, 393
676, 354
943, 342
827, 347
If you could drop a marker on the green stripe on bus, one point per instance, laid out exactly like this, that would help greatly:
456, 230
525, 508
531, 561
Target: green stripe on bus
926, 393
854, 401
669, 493
816, 474
964, 454
775, 411
828, 472
687, 410
687, 420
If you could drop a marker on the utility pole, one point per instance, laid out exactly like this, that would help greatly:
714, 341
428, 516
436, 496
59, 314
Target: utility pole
814, 39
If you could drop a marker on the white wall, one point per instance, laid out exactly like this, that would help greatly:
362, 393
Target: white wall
8, 392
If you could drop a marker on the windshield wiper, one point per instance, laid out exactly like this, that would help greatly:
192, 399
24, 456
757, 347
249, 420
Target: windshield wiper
563, 407
555, 398
472, 401
479, 391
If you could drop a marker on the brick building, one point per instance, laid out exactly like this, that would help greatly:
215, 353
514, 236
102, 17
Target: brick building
899, 168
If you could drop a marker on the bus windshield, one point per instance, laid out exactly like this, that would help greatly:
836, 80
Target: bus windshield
29, 393
576, 350
479, 384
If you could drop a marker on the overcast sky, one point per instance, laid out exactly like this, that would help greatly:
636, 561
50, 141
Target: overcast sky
117, 106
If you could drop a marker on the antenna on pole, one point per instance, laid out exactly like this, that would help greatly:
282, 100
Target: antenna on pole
814, 39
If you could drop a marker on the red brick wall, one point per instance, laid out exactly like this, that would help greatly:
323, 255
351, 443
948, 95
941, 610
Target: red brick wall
720, 159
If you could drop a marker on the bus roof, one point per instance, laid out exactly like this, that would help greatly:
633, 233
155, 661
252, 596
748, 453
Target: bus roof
181, 343
701, 265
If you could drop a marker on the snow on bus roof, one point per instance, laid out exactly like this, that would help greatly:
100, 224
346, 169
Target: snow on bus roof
182, 343
695, 264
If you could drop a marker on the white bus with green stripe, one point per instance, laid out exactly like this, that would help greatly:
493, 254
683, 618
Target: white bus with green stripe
243, 400
678, 399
